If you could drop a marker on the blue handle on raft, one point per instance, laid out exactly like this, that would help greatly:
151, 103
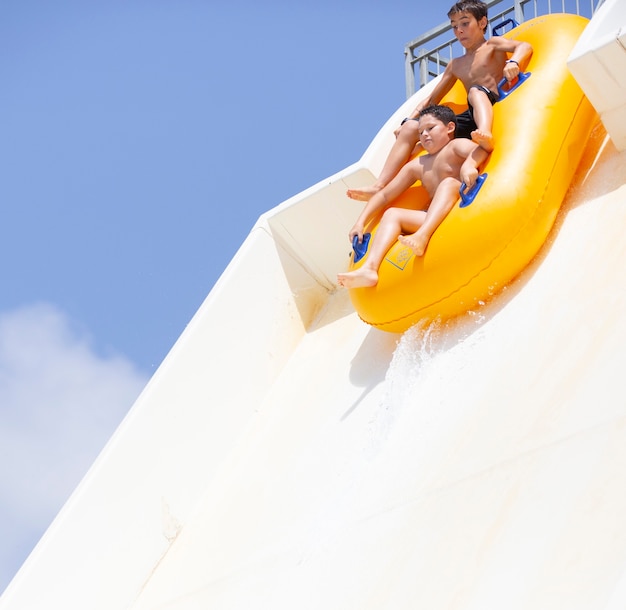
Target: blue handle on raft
467, 198
360, 248
519, 80
496, 28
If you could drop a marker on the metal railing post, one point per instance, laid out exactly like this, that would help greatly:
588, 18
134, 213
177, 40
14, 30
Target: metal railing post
409, 73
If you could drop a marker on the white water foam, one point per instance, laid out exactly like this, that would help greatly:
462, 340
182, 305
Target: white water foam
426, 366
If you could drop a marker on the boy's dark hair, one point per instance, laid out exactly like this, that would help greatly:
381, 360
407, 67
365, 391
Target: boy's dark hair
443, 113
476, 8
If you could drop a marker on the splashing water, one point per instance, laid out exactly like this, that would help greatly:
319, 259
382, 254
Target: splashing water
428, 360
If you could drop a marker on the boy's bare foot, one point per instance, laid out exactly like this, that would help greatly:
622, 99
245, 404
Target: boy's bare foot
483, 138
358, 278
416, 242
363, 194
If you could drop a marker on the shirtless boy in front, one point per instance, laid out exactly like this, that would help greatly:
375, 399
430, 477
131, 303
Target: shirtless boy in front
447, 163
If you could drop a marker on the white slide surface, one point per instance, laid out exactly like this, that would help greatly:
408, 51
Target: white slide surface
286, 455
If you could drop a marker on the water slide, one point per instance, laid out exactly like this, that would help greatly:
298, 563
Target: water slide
287, 455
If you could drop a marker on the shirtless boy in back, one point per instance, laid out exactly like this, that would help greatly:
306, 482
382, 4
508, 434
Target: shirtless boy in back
480, 69
448, 162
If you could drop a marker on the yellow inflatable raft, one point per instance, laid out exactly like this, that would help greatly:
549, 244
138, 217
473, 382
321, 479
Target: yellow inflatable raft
540, 130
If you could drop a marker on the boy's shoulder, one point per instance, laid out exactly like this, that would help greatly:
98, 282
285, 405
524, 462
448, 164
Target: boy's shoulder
461, 146
501, 43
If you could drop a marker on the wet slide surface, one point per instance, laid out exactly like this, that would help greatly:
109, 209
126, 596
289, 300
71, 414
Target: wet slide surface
480, 465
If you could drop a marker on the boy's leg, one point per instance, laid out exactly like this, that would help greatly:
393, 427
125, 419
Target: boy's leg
400, 153
446, 195
482, 109
393, 222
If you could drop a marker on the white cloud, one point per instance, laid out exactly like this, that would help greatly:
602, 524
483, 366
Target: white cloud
59, 403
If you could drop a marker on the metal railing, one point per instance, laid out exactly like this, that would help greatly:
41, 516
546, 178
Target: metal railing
427, 56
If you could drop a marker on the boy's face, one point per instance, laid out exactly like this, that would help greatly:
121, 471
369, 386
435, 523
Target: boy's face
467, 30
434, 134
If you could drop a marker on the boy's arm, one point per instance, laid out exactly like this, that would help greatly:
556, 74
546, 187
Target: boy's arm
469, 169
520, 51
405, 178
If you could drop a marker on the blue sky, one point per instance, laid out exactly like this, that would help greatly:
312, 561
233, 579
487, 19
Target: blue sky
141, 140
